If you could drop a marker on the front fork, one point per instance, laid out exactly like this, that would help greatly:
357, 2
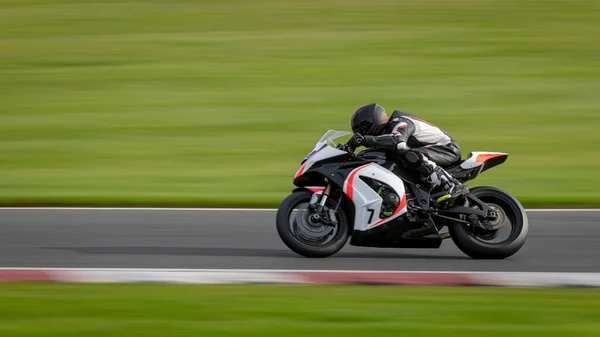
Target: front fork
324, 197
318, 208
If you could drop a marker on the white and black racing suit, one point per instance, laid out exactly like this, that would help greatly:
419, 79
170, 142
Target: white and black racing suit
419, 136
423, 137
424, 146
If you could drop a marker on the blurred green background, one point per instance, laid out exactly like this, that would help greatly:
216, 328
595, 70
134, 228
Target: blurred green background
75, 310
216, 102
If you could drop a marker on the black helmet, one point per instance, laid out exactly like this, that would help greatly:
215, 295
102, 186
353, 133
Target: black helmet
369, 120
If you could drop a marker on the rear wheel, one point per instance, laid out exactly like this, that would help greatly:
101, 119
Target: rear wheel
509, 222
306, 235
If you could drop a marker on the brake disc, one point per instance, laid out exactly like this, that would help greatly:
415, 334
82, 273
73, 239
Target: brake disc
496, 217
311, 229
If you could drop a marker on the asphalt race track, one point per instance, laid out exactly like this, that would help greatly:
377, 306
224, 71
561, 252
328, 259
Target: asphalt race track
558, 242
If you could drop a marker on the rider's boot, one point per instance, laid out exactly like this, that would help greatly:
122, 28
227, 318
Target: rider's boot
435, 177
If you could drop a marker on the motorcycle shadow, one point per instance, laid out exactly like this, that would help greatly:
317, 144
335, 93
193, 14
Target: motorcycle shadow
246, 252
397, 255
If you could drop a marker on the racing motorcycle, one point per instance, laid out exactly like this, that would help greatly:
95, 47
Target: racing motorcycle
371, 200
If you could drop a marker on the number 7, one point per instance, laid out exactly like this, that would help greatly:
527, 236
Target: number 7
372, 211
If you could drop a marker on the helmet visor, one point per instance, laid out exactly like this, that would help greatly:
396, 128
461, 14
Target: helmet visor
364, 126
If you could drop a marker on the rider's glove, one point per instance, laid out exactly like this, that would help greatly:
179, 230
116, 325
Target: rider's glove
370, 141
356, 140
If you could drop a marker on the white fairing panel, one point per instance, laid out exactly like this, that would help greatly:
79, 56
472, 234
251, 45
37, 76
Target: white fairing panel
473, 161
324, 153
366, 201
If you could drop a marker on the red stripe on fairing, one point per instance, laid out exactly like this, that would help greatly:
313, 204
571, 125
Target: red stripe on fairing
316, 189
398, 210
485, 157
300, 171
350, 184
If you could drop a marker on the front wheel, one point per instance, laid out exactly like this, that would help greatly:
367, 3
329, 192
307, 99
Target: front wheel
307, 237
510, 227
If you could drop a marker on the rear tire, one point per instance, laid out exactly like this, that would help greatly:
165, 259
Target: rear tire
287, 235
475, 246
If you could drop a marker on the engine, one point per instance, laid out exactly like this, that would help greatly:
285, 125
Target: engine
391, 200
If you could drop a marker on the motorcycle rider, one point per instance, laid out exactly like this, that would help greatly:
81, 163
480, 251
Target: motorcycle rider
423, 146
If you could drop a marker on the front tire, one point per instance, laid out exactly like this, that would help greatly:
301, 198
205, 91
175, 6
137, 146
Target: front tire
289, 234
477, 244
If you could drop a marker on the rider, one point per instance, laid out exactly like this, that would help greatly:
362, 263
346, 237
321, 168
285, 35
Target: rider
424, 146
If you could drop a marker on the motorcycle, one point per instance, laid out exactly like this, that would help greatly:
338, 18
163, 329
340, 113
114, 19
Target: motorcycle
371, 200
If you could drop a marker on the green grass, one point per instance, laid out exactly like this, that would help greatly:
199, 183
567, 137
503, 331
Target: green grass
216, 102
178, 310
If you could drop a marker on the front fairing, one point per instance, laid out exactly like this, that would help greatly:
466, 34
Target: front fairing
325, 148
322, 154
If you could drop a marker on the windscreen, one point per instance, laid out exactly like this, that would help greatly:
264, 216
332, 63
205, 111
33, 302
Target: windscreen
329, 137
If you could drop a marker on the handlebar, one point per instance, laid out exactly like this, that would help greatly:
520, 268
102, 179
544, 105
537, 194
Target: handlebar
351, 145
355, 141
346, 147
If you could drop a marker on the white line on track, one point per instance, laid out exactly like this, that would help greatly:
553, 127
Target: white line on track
298, 271
226, 209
